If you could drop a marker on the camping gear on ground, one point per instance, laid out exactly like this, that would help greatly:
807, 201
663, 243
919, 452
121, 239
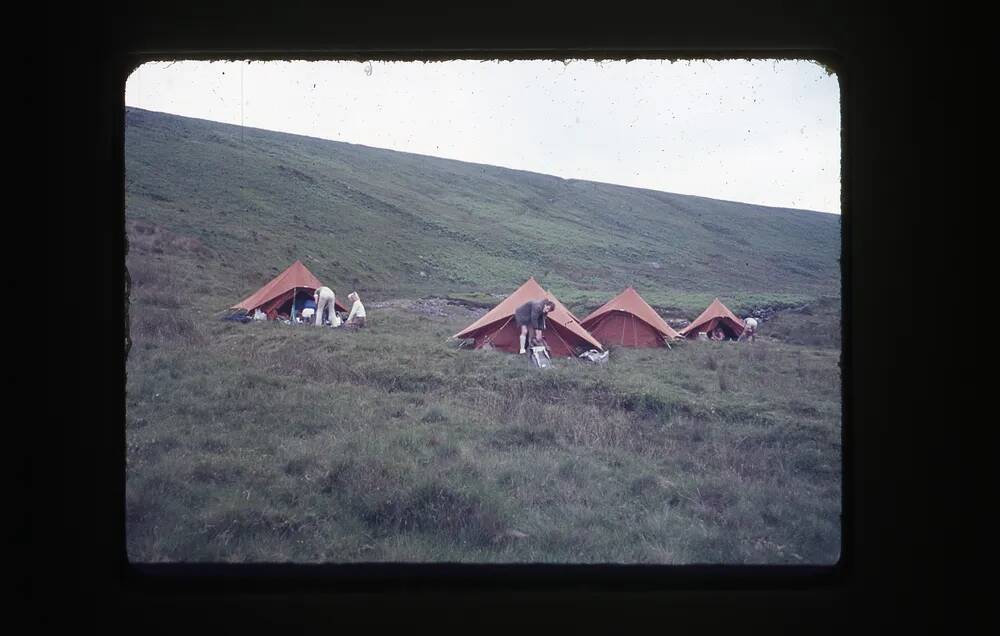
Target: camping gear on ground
499, 329
595, 356
237, 316
628, 321
540, 357
259, 315
717, 316
307, 312
278, 295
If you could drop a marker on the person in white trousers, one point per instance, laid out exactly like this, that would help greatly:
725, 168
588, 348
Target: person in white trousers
325, 299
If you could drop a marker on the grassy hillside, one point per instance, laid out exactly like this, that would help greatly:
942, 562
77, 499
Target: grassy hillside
392, 224
267, 442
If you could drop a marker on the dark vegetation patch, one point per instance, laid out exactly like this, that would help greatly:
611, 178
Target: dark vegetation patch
438, 508
434, 415
523, 436
145, 237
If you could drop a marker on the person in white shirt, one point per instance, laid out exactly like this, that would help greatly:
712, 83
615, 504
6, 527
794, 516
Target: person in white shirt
325, 299
751, 330
357, 315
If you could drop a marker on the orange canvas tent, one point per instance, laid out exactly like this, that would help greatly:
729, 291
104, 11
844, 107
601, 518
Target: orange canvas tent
628, 321
717, 315
276, 297
498, 328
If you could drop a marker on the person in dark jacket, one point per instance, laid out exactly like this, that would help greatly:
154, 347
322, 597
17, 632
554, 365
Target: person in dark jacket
532, 314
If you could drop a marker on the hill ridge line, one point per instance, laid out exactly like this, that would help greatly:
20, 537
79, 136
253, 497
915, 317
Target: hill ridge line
567, 180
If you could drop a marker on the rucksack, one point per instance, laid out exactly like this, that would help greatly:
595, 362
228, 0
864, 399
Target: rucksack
540, 357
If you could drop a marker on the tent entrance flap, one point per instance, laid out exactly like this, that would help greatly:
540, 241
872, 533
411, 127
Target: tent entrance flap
569, 347
489, 338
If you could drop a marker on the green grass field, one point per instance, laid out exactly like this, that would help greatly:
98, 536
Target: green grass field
272, 443
267, 442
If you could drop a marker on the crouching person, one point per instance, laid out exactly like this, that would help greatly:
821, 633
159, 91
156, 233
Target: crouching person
532, 314
356, 319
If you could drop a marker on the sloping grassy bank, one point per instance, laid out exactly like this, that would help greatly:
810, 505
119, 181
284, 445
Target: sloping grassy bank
249, 202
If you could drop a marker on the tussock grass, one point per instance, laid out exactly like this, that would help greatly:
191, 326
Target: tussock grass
268, 442
156, 324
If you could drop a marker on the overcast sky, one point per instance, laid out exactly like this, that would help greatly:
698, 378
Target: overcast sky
764, 132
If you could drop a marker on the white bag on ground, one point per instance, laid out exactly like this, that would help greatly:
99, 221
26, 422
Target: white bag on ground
595, 356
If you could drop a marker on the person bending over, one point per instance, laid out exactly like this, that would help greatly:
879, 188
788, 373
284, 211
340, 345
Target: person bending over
532, 314
325, 299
